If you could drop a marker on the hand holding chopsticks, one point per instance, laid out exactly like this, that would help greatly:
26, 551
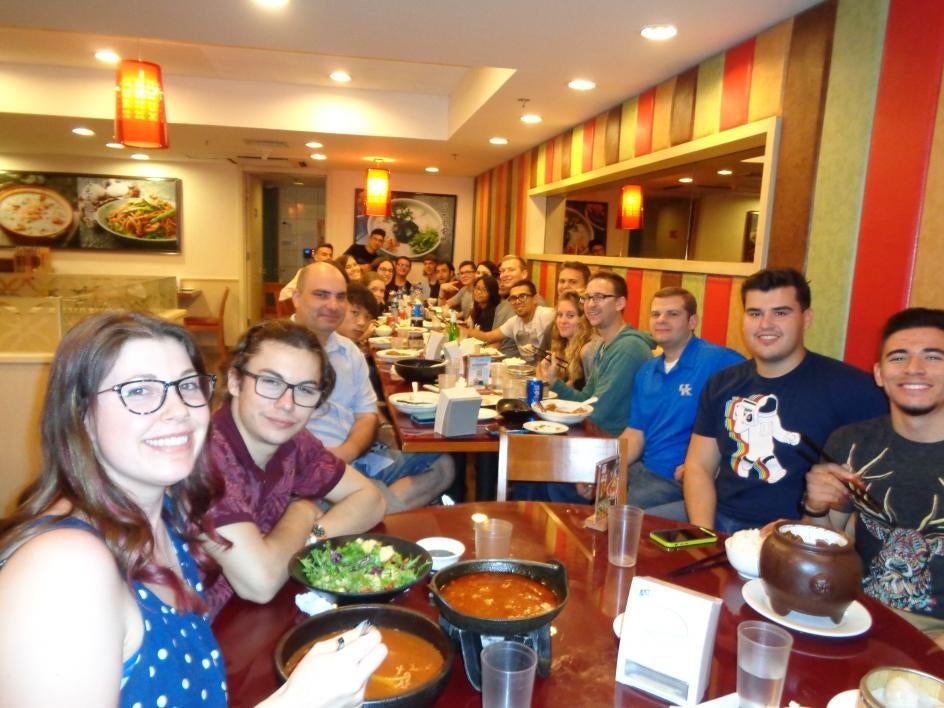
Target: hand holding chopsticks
854, 486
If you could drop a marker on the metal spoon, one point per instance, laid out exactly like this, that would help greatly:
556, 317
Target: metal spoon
590, 401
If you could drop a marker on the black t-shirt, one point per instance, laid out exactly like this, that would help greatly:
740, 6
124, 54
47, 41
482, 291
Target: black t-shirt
360, 253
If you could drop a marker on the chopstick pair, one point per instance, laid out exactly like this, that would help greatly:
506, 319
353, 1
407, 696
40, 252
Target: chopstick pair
858, 491
710, 561
545, 354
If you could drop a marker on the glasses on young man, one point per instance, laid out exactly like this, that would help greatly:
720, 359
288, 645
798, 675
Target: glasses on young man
305, 394
596, 297
523, 297
146, 396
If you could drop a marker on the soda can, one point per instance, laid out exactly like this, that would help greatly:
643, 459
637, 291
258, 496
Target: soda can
535, 390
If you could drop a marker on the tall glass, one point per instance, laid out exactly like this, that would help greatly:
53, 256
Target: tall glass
763, 655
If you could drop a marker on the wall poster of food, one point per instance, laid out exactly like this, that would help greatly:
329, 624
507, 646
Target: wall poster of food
585, 228
419, 225
99, 212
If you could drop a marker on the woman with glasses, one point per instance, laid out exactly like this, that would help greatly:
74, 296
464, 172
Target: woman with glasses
485, 301
572, 341
100, 565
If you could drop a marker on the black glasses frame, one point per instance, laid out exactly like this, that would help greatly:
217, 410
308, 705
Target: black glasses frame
287, 385
166, 384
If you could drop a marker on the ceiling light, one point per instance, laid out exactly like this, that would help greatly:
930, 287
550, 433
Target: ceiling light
342, 77
686, 180
582, 85
271, 4
140, 156
83, 131
314, 145
433, 170
298, 183
377, 191
140, 120
498, 141
725, 172
531, 118
115, 146
318, 156
107, 56
659, 33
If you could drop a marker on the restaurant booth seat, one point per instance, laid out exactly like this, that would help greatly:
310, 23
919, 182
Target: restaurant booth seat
557, 458
214, 325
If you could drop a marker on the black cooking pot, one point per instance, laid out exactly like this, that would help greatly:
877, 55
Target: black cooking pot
420, 370
388, 616
552, 575
514, 410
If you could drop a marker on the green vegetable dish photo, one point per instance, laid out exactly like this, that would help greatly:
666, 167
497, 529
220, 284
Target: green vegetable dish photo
361, 565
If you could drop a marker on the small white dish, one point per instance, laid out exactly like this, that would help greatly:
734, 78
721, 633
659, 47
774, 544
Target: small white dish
855, 621
443, 550
419, 402
846, 699
394, 354
618, 625
743, 551
545, 427
487, 413
379, 342
384, 330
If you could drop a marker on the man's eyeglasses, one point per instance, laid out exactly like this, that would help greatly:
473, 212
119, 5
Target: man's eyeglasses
146, 396
305, 394
523, 297
466, 272
596, 297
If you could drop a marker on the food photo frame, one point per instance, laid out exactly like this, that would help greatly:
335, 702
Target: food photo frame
420, 225
585, 228
90, 212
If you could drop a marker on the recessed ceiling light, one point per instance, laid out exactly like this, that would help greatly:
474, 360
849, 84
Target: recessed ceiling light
531, 118
298, 183
342, 77
725, 172
107, 56
271, 4
498, 141
318, 156
582, 85
378, 158
115, 146
686, 180
83, 131
314, 145
140, 156
659, 33
434, 170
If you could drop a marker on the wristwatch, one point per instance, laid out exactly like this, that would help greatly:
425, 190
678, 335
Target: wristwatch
809, 512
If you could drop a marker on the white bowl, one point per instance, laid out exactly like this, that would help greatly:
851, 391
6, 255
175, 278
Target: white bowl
383, 330
443, 550
560, 411
410, 403
743, 549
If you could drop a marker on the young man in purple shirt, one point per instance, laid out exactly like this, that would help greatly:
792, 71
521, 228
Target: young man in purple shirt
275, 470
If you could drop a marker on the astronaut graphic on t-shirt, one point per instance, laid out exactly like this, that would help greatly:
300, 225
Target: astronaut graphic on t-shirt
753, 423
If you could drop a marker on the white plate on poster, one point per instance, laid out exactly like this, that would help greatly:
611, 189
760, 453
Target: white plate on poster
487, 414
855, 621
423, 215
545, 427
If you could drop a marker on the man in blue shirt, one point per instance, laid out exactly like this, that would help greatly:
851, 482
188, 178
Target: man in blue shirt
665, 401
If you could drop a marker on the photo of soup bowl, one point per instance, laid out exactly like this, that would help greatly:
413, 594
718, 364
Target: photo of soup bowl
420, 691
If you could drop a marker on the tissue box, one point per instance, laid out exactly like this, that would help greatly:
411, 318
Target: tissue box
457, 412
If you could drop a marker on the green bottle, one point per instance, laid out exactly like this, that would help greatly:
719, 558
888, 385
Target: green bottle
452, 332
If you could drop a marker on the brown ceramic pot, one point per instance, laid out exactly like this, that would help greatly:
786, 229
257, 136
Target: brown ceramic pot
810, 569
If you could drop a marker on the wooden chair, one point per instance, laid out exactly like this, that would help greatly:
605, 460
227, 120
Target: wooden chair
270, 300
215, 325
285, 308
556, 458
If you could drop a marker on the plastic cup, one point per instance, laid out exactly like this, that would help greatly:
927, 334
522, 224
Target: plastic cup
507, 675
763, 655
493, 538
625, 523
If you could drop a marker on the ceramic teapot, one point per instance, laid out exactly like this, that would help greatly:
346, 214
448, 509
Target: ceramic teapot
810, 569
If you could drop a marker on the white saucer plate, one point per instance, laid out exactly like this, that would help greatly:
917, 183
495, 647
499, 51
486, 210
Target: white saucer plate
394, 354
490, 400
487, 413
419, 402
379, 342
545, 427
855, 621
846, 699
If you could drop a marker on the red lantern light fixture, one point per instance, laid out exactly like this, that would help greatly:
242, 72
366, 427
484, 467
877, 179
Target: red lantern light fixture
377, 191
139, 105
630, 207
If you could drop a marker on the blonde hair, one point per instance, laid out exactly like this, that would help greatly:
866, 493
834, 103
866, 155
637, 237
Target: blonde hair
569, 349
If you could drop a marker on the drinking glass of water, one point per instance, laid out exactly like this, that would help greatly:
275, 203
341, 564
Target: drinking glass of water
763, 655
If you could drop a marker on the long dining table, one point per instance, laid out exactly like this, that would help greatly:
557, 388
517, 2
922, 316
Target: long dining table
584, 646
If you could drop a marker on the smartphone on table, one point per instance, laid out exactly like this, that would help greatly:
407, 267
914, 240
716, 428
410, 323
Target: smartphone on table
684, 537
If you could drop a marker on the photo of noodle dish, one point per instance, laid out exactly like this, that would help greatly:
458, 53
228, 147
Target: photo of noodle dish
148, 218
413, 229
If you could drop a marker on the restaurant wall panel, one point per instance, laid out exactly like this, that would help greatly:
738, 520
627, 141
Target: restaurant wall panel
662, 115
707, 120
736, 85
928, 287
770, 56
627, 136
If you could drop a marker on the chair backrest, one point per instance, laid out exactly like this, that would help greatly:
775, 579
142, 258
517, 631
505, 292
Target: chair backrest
556, 458
223, 305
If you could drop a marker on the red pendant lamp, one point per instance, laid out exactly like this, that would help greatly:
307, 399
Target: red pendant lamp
377, 192
139, 105
630, 207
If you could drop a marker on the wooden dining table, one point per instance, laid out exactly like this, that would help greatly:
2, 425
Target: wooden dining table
584, 646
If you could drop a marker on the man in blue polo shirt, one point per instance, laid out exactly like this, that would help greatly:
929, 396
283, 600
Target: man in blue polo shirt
665, 400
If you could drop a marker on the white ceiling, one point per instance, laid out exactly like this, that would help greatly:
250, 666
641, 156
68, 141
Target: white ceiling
432, 79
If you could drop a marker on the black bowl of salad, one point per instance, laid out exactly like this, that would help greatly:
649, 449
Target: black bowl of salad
359, 568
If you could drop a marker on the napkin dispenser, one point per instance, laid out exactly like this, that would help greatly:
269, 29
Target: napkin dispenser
667, 640
457, 412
